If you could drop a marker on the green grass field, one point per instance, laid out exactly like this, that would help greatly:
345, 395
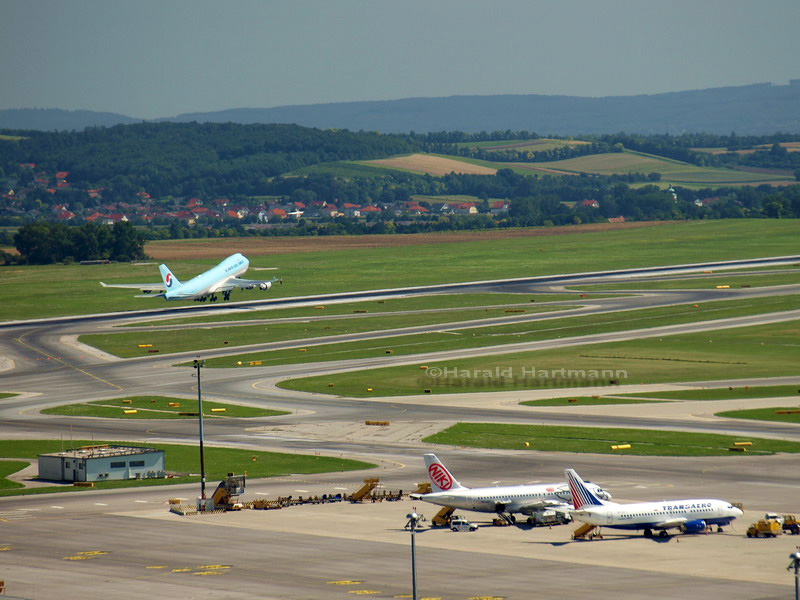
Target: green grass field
759, 351
46, 291
159, 407
733, 280
728, 393
477, 337
185, 459
775, 413
584, 401
127, 344
675, 171
455, 302
596, 440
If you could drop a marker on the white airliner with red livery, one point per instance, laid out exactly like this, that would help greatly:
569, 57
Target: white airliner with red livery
222, 279
528, 499
690, 516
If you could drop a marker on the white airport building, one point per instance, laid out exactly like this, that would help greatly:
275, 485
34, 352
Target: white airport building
102, 463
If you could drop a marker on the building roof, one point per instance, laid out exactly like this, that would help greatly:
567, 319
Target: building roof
103, 451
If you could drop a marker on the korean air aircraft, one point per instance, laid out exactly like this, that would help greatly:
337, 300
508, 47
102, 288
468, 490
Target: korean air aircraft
222, 279
691, 516
525, 499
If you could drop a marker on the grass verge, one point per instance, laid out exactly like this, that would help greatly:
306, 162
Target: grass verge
728, 393
185, 459
781, 414
596, 440
159, 407
756, 351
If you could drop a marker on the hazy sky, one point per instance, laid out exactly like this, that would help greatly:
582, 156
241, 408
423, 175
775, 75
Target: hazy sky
160, 58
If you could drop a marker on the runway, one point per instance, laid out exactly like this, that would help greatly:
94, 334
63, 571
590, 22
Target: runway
298, 556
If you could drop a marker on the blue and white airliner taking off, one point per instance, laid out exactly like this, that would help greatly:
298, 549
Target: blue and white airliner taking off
690, 516
222, 279
527, 499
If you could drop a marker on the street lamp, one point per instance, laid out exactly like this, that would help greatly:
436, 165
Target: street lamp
413, 519
795, 564
197, 365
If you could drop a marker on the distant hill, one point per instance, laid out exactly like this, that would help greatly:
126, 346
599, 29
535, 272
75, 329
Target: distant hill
55, 119
761, 108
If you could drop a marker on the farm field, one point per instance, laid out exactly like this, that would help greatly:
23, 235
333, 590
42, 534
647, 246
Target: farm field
620, 163
758, 351
671, 171
347, 263
433, 165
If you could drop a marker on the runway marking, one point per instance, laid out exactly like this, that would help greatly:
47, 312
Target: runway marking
345, 582
14, 515
156, 567
214, 567
209, 573
100, 504
183, 570
141, 501
363, 592
5, 548
58, 507
19, 340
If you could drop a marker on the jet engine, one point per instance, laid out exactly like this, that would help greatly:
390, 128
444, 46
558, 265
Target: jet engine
696, 526
265, 285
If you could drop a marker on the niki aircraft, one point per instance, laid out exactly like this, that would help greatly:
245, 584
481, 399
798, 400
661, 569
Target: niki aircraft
690, 516
529, 499
224, 278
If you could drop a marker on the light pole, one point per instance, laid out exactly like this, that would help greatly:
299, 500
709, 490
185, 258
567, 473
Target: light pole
413, 519
795, 556
197, 365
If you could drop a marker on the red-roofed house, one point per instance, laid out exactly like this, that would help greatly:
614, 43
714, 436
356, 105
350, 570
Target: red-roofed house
589, 203
619, 219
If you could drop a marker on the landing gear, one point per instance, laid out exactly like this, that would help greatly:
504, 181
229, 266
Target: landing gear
663, 533
648, 533
213, 298
226, 295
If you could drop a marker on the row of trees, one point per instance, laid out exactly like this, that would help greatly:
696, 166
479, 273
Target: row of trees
44, 242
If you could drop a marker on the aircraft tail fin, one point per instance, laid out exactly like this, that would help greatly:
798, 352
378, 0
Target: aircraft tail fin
441, 479
582, 496
170, 281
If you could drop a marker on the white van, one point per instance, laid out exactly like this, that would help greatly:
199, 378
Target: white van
461, 524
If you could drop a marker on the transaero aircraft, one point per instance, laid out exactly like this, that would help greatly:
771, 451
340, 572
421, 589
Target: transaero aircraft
690, 516
525, 499
224, 278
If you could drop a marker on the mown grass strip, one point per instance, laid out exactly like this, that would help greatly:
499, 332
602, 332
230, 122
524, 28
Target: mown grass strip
726, 393
596, 440
780, 414
584, 401
130, 344
159, 407
75, 289
454, 302
545, 329
185, 460
756, 351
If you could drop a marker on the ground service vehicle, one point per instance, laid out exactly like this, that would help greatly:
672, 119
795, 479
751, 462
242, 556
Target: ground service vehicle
765, 528
461, 524
791, 524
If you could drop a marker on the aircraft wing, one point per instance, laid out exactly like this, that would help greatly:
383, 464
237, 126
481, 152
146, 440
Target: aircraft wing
670, 523
145, 287
544, 505
236, 283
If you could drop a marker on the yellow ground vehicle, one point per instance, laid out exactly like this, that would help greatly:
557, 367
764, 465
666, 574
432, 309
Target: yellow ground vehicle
765, 528
791, 524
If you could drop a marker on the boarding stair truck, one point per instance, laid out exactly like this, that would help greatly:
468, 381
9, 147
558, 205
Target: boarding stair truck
226, 495
443, 517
